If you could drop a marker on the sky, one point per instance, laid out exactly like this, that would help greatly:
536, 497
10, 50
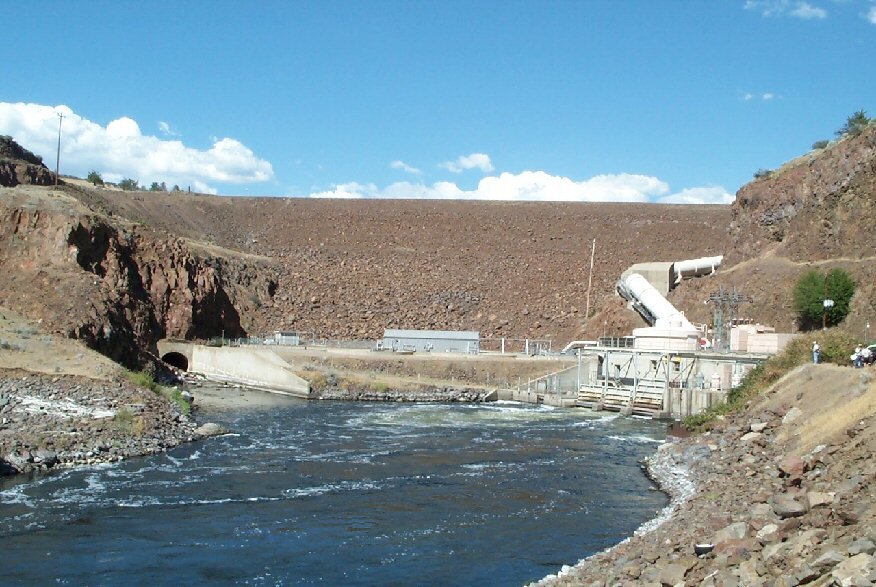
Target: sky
677, 101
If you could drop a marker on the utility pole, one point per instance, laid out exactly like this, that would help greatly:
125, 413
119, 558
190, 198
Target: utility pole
58, 157
590, 281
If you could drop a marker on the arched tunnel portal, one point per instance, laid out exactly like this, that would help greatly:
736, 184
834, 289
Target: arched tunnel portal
178, 360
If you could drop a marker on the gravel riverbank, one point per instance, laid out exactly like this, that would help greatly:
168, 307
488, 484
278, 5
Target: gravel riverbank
56, 421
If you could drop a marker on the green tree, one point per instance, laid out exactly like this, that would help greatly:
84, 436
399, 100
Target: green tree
810, 291
128, 184
855, 124
155, 187
840, 289
818, 145
94, 177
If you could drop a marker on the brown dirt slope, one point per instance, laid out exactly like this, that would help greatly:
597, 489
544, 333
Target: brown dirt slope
349, 269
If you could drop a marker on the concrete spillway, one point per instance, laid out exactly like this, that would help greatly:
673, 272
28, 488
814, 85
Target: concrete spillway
254, 367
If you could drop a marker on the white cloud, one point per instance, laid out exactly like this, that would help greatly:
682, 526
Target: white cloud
121, 150
766, 96
871, 15
166, 130
474, 161
795, 8
704, 195
528, 185
405, 167
807, 11
349, 191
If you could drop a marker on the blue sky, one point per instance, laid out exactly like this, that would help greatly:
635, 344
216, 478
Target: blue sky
538, 100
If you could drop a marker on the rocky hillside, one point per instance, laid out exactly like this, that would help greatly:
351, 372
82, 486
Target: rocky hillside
122, 270
817, 211
119, 286
20, 166
349, 269
782, 494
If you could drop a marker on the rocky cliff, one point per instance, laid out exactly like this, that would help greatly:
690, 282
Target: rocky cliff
819, 206
117, 285
20, 166
815, 212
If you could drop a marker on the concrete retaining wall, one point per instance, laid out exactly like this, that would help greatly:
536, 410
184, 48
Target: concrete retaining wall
258, 368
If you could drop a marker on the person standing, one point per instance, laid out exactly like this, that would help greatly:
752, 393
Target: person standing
816, 352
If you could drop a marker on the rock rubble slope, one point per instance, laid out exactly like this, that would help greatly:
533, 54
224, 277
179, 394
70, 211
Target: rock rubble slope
785, 494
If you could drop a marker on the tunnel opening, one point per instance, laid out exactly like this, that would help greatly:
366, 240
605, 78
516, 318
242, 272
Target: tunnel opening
177, 360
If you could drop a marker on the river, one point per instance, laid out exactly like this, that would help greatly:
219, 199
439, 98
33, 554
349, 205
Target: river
336, 493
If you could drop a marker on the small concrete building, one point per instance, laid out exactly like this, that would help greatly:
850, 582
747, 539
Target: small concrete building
286, 338
436, 341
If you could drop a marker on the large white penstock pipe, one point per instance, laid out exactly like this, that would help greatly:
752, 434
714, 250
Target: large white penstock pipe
696, 267
666, 315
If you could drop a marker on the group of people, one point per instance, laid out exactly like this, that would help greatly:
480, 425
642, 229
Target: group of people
862, 355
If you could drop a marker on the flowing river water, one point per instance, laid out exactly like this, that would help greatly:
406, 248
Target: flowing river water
336, 493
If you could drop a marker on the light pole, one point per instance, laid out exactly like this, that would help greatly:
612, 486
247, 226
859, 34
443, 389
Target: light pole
58, 156
827, 305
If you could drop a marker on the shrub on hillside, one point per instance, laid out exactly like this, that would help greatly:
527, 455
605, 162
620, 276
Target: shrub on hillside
129, 184
762, 173
855, 124
94, 178
818, 145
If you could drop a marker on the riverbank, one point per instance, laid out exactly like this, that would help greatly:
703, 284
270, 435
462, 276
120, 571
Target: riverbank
51, 421
782, 494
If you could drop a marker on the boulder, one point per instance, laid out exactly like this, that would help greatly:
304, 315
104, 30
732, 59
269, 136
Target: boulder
792, 415
862, 545
732, 532
209, 429
856, 570
787, 506
792, 466
827, 560
817, 498
672, 574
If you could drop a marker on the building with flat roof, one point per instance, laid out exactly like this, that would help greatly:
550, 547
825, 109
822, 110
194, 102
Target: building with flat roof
436, 341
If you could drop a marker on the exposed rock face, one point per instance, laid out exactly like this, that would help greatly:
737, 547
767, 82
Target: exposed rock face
20, 166
819, 206
120, 287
